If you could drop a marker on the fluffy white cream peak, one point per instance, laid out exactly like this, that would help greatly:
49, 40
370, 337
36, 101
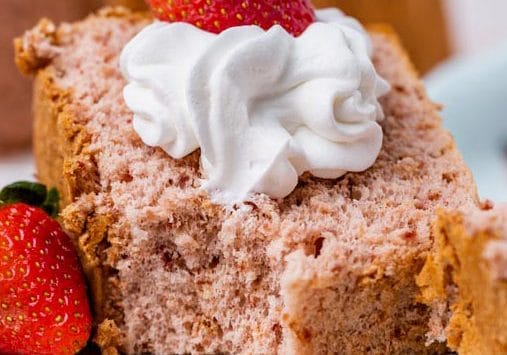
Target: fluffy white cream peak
263, 106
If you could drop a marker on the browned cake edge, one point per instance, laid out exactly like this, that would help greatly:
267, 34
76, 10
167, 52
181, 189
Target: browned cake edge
59, 146
458, 283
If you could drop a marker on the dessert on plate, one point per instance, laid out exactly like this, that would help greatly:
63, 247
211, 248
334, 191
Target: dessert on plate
464, 281
244, 189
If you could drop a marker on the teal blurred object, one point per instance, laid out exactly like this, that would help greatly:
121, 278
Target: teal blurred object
474, 94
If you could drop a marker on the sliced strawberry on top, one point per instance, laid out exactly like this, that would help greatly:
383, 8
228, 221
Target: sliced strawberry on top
43, 297
217, 15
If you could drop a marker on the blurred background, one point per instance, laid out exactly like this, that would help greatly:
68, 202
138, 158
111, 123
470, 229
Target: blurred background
458, 46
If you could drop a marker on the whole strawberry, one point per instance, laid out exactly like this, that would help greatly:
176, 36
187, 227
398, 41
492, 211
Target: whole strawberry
217, 15
43, 300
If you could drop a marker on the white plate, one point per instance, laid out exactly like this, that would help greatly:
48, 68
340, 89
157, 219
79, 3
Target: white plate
474, 94
16, 166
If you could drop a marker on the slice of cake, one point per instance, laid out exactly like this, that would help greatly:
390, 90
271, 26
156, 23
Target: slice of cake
465, 281
329, 269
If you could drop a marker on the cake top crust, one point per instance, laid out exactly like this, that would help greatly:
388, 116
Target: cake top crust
491, 223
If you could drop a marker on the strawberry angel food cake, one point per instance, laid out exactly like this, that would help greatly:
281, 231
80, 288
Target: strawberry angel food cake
243, 176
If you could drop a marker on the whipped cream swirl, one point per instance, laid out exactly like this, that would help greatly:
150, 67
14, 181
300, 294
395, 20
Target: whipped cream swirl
263, 106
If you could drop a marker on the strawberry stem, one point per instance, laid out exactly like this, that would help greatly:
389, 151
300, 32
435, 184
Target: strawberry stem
33, 194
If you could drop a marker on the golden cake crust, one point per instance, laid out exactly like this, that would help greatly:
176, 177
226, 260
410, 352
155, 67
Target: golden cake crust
459, 280
59, 146
60, 150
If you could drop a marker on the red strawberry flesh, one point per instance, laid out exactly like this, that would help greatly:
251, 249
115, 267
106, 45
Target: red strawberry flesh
43, 300
217, 15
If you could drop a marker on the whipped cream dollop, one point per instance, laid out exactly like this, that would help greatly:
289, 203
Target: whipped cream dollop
263, 106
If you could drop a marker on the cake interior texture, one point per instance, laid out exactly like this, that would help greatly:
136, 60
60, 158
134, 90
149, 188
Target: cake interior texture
331, 268
465, 280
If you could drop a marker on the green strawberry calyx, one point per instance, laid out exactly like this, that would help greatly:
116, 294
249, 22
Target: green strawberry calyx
33, 194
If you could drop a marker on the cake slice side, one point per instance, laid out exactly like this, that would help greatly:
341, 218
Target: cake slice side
330, 267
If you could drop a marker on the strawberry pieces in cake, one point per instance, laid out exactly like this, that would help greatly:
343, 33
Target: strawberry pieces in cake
43, 297
218, 15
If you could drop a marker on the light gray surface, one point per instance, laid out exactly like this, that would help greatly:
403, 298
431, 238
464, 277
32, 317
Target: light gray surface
474, 94
16, 166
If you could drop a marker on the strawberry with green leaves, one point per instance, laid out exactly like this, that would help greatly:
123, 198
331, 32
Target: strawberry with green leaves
217, 15
43, 297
